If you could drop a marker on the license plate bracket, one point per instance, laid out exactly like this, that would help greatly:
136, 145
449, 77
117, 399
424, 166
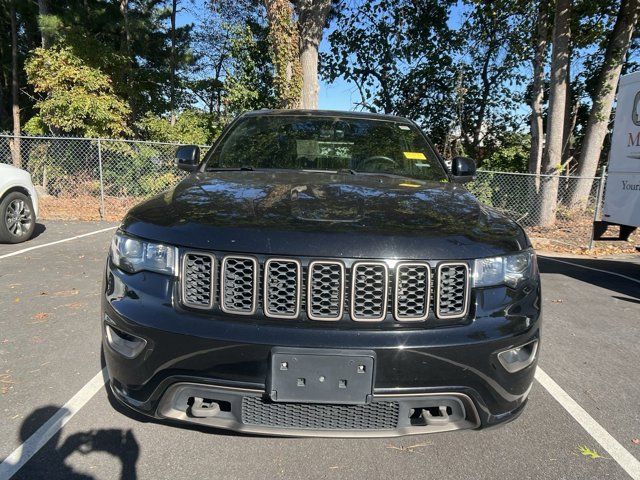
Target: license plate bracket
304, 375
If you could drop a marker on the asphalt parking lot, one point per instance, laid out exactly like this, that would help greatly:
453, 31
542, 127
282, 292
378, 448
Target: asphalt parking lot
587, 394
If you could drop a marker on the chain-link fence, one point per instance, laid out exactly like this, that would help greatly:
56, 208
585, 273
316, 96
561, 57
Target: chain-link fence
519, 195
91, 179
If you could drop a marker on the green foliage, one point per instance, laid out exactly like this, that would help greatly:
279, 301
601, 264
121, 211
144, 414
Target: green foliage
191, 126
400, 55
284, 49
249, 85
76, 98
510, 155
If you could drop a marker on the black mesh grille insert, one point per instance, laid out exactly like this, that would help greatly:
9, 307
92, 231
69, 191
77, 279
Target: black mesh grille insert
239, 284
452, 290
198, 280
369, 291
374, 416
413, 286
282, 288
326, 284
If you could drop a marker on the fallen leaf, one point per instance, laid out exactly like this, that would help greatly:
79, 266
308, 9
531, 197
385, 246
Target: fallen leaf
73, 305
40, 316
587, 452
409, 448
65, 293
16, 300
636, 441
6, 383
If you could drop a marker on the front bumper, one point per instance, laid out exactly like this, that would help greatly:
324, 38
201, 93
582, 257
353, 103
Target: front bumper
193, 355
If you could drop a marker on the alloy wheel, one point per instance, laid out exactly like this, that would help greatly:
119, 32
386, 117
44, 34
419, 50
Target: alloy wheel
17, 217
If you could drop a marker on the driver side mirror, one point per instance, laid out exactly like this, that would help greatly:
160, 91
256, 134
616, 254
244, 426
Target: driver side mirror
188, 158
463, 169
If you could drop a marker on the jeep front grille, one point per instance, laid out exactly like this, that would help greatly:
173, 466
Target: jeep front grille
369, 291
198, 271
452, 294
325, 295
412, 291
291, 288
239, 285
282, 284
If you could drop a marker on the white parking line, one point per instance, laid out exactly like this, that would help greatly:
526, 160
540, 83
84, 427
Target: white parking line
628, 462
24, 250
40, 437
592, 268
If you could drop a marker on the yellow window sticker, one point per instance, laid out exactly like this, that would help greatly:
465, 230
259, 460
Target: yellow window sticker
414, 156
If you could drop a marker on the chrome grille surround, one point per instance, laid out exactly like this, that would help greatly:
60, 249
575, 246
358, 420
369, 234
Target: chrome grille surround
412, 293
285, 294
452, 298
198, 280
369, 291
239, 295
317, 290
321, 301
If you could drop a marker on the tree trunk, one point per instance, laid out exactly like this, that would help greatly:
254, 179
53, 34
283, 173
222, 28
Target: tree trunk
16, 154
537, 96
285, 46
43, 11
172, 60
126, 36
486, 91
312, 16
552, 158
598, 123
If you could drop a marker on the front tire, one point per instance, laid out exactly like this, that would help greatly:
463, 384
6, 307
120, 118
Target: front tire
17, 220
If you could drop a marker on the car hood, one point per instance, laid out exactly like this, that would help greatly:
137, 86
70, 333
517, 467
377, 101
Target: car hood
325, 214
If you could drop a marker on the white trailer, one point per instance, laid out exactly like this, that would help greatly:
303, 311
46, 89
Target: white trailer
622, 188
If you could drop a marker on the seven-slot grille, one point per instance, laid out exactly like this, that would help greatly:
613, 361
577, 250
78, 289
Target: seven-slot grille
284, 288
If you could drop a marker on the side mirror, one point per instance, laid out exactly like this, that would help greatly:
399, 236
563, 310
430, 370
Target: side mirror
463, 169
188, 158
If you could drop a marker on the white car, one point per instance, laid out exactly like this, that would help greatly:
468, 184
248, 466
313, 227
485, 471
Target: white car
18, 205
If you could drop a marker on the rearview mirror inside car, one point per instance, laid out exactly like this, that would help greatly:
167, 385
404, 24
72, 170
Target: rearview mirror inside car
188, 157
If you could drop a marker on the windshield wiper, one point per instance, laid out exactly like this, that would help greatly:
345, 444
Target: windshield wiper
347, 170
231, 169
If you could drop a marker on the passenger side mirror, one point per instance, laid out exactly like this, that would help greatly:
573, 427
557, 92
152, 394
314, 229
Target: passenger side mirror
463, 169
188, 158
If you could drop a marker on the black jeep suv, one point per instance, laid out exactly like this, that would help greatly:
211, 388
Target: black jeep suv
321, 273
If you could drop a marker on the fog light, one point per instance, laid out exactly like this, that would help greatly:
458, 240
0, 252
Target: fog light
125, 344
515, 359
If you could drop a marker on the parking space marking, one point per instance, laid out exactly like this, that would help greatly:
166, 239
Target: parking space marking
626, 277
628, 462
24, 250
40, 437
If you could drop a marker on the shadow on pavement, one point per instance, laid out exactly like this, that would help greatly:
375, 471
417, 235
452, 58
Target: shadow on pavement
51, 461
38, 230
624, 286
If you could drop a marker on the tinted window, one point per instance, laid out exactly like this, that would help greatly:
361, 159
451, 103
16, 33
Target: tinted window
327, 143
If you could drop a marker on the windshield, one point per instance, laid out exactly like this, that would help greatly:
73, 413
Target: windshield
327, 143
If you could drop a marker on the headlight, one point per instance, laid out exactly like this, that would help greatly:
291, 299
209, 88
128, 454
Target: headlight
134, 255
509, 270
